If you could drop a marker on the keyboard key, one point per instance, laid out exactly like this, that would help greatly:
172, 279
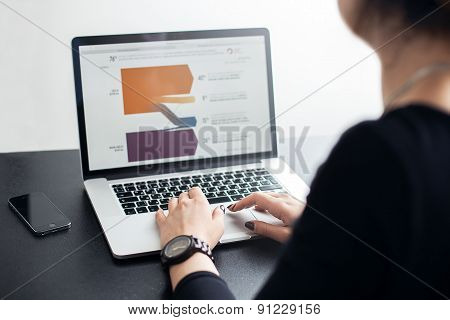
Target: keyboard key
267, 188
221, 194
253, 189
139, 193
237, 181
233, 186
238, 175
119, 190
265, 183
161, 190
211, 189
254, 184
163, 185
129, 211
174, 183
219, 200
142, 210
173, 189
222, 188
244, 185
242, 191
128, 205
156, 196
153, 202
153, 185
164, 206
124, 194
129, 184
164, 201
153, 208
141, 203
117, 186
173, 179
231, 192
258, 178
144, 198
210, 195
197, 180
237, 197
150, 191
167, 195
142, 187
163, 180
129, 199
248, 179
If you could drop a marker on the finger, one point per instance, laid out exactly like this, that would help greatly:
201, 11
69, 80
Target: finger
218, 216
262, 200
277, 233
218, 212
160, 217
196, 193
183, 197
260, 209
173, 202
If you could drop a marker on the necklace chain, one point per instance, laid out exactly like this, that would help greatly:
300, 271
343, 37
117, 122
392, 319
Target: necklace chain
418, 76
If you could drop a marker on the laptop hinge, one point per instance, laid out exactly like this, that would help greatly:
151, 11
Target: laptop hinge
167, 168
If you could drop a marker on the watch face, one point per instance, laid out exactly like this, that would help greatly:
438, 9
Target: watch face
177, 246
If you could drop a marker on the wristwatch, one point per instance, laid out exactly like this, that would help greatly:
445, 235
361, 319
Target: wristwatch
181, 248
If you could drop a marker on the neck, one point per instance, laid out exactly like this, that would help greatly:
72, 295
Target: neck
400, 61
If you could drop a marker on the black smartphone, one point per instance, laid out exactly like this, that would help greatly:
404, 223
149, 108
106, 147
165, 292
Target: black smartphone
39, 213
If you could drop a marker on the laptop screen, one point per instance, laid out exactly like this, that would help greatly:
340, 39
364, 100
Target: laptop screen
165, 101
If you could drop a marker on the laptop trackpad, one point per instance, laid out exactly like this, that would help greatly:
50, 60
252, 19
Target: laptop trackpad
234, 226
266, 217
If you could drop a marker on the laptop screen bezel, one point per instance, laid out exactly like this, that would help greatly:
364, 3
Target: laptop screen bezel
176, 166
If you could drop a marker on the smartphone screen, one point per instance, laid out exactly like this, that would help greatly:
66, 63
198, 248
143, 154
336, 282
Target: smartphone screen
39, 213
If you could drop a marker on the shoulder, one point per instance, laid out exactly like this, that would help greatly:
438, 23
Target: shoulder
399, 134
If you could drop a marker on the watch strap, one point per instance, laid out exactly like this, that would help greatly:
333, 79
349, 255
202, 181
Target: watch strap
202, 247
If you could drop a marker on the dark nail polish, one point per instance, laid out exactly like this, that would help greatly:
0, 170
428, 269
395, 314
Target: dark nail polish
250, 225
231, 206
222, 207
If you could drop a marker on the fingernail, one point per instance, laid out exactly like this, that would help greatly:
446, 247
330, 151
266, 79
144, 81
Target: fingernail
231, 207
250, 225
222, 207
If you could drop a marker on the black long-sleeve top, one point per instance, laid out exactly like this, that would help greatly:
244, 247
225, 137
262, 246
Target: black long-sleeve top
377, 224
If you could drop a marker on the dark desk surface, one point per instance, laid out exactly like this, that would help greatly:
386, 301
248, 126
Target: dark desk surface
77, 264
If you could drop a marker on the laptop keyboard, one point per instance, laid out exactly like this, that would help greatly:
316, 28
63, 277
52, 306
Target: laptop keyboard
149, 196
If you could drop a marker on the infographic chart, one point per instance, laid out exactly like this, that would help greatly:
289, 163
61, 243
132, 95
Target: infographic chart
147, 89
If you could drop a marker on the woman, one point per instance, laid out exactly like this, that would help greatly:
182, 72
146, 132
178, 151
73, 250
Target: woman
378, 215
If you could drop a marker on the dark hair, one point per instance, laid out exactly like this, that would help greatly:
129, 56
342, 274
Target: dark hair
435, 13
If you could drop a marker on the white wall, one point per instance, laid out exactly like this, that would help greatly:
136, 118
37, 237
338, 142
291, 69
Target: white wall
310, 46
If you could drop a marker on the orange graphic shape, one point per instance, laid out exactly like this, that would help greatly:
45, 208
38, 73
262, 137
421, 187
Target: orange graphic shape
144, 88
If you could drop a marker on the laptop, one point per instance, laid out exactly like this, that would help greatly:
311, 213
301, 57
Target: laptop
159, 113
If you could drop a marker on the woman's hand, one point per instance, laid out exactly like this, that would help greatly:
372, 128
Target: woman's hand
281, 205
190, 214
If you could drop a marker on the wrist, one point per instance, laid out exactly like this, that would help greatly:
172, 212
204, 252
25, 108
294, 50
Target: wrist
197, 262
